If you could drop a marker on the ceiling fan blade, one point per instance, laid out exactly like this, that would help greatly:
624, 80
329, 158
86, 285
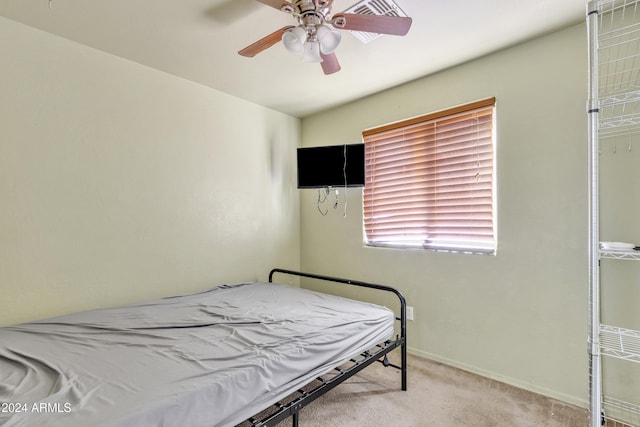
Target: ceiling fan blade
329, 63
381, 24
264, 43
278, 4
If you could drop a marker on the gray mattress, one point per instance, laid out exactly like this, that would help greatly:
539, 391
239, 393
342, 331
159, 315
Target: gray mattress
213, 358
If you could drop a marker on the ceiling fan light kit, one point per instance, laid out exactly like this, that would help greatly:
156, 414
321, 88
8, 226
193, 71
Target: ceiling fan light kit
294, 39
313, 39
309, 44
311, 52
329, 39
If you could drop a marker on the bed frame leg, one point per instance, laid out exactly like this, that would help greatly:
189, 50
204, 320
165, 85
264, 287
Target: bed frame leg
403, 335
403, 350
295, 419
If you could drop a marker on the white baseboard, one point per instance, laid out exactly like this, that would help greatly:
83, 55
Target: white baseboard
572, 400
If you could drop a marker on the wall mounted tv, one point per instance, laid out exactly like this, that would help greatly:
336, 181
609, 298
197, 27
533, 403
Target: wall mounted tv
327, 166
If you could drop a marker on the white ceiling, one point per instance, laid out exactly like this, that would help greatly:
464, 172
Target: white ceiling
199, 39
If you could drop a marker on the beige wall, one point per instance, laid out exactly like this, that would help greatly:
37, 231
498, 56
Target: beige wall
519, 316
120, 183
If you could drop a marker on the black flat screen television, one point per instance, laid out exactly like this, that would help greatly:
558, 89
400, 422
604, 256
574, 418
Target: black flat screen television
327, 166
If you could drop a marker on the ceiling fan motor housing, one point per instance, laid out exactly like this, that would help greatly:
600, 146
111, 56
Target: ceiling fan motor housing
311, 13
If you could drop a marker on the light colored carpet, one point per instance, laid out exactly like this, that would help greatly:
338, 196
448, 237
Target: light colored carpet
437, 395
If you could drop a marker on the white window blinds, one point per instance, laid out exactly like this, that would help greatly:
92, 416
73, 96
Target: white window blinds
430, 180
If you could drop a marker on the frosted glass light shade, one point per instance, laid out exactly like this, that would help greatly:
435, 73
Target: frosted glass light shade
294, 39
312, 52
329, 39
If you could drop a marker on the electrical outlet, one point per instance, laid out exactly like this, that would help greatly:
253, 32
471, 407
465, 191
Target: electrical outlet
409, 313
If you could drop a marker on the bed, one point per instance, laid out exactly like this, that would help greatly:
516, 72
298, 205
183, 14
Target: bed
252, 353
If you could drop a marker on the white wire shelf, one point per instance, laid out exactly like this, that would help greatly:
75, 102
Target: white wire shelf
632, 255
619, 124
619, 114
619, 67
620, 343
615, 409
620, 99
618, 47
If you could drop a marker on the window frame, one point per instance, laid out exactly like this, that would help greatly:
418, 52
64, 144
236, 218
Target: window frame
485, 219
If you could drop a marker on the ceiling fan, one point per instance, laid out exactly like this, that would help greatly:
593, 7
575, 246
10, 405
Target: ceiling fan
314, 39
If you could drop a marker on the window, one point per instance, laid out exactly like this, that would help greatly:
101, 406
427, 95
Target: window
430, 181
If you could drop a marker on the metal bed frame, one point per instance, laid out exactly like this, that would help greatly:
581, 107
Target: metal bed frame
292, 406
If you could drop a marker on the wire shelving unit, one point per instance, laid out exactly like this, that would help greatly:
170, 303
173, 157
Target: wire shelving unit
613, 109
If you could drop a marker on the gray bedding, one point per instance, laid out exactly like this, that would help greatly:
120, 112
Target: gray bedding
213, 358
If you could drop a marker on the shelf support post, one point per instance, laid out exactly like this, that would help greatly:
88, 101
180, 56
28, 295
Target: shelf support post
595, 361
